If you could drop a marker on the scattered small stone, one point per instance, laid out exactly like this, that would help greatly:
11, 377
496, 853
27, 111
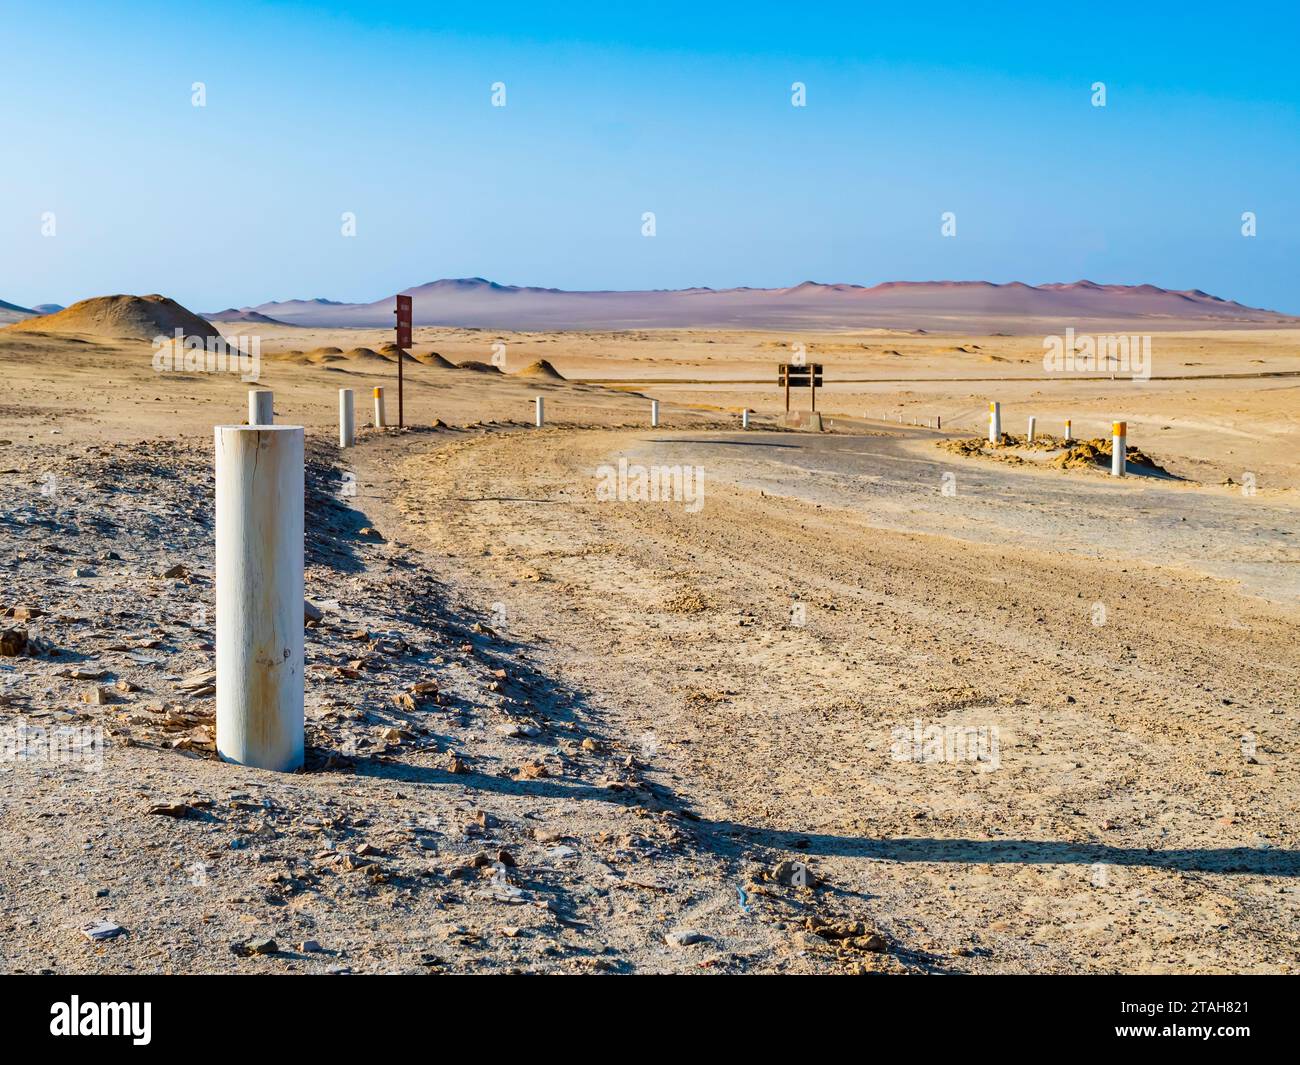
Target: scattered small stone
99, 931
171, 809
685, 938
794, 874
12, 642
261, 945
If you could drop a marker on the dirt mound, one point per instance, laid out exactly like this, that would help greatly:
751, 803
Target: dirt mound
432, 358
123, 318
389, 351
969, 446
541, 368
478, 367
364, 355
1097, 452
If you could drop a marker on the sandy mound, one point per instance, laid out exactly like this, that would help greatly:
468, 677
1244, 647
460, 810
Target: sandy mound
1098, 453
369, 355
123, 318
541, 368
479, 367
432, 358
389, 351
1081, 455
969, 446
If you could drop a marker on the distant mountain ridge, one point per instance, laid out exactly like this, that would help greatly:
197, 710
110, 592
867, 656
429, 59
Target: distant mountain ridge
476, 302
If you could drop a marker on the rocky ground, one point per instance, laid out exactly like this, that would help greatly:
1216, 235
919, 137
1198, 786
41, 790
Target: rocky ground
461, 809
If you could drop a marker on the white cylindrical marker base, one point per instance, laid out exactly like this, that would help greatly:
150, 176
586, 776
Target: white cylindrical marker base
1068, 437
259, 581
261, 407
379, 407
995, 422
1119, 449
654, 414
1032, 423
744, 419
541, 411
347, 418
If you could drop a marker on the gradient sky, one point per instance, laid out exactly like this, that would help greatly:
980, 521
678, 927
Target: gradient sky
613, 110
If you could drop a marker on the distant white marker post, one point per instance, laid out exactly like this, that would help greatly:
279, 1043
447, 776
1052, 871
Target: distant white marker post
995, 422
541, 411
379, 407
1119, 449
744, 418
1032, 422
347, 418
654, 414
261, 407
1068, 437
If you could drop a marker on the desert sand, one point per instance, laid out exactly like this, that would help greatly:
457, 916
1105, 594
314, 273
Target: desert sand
549, 733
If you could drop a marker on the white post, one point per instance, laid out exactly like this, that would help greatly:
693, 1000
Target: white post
1068, 437
379, 407
1032, 421
995, 422
654, 414
261, 407
541, 411
347, 419
744, 418
259, 626
1119, 449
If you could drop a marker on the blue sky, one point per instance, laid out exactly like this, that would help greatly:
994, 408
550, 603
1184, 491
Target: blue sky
612, 111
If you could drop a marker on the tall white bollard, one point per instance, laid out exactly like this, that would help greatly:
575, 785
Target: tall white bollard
1032, 423
261, 407
654, 414
379, 407
347, 418
1068, 437
1119, 449
259, 560
744, 418
541, 411
995, 422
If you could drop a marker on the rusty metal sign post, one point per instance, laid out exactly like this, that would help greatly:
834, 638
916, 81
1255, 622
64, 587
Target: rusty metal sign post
793, 376
403, 313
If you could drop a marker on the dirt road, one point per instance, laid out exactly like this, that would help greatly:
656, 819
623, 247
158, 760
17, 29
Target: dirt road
1030, 727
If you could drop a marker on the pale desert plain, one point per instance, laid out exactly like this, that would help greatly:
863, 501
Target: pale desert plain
552, 732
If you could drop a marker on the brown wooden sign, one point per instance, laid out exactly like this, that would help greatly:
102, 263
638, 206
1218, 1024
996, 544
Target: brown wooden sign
809, 375
403, 313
